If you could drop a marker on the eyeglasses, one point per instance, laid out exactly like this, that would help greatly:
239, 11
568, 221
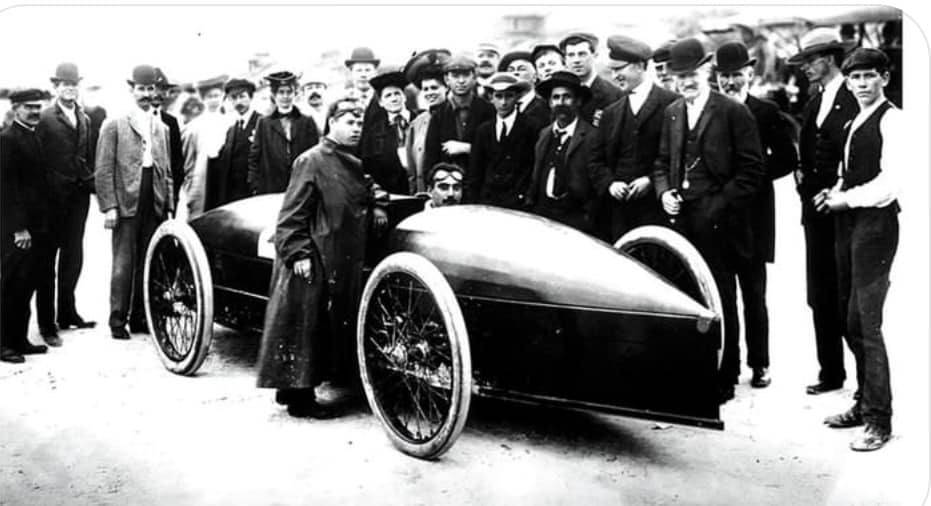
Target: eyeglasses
811, 60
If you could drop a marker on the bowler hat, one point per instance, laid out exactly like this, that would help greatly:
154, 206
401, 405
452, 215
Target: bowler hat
238, 84
459, 62
426, 64
627, 49
567, 80
820, 40
539, 49
66, 72
687, 55
575, 38
362, 55
28, 95
661, 55
144, 75
732, 56
512, 57
502, 81
865, 58
390, 76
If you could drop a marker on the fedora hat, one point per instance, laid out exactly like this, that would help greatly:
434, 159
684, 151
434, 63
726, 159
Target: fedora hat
144, 75
565, 79
502, 81
362, 55
732, 56
687, 55
820, 40
66, 72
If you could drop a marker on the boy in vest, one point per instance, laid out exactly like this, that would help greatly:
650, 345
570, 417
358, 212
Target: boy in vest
867, 234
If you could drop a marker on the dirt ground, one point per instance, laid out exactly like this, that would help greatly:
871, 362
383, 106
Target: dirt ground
101, 422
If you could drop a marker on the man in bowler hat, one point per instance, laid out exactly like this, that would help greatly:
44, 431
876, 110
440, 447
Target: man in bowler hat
64, 134
362, 65
24, 223
627, 143
135, 194
733, 69
708, 170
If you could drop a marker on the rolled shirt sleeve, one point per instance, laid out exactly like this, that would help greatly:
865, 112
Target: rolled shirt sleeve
884, 189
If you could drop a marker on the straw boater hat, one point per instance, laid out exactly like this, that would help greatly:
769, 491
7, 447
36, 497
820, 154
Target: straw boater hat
565, 79
820, 40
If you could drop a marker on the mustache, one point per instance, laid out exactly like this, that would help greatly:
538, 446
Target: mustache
562, 109
315, 95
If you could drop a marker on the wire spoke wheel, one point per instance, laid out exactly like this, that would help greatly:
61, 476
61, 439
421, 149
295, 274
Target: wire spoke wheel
178, 297
414, 355
673, 257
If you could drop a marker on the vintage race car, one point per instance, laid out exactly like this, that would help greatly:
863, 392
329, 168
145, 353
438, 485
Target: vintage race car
469, 300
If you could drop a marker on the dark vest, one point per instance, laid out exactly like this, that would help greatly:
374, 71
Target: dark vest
866, 144
696, 176
823, 152
554, 158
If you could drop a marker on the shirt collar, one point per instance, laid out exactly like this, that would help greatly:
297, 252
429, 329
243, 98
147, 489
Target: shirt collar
25, 125
525, 100
591, 79
62, 106
834, 84
458, 103
642, 89
569, 129
508, 120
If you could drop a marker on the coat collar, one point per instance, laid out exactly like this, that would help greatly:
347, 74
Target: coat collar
581, 130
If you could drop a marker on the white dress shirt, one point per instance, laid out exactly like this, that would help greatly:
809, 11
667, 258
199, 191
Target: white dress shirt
402, 146
144, 119
507, 121
693, 110
638, 95
827, 98
71, 113
883, 189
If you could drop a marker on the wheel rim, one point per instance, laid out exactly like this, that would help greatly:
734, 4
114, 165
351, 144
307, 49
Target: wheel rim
409, 358
667, 264
173, 297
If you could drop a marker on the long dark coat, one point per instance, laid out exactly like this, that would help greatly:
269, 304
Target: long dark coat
175, 150
227, 174
325, 216
604, 93
66, 151
499, 174
443, 128
272, 154
779, 159
379, 149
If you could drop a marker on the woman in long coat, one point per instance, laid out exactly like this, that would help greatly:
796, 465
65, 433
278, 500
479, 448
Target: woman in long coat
316, 282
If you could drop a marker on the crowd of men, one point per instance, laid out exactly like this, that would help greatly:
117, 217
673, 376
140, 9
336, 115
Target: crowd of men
684, 146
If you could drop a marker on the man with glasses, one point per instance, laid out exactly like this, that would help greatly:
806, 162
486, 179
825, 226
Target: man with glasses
64, 134
279, 137
134, 191
821, 144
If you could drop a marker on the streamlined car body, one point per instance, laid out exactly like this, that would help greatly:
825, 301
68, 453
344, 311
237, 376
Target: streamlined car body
467, 300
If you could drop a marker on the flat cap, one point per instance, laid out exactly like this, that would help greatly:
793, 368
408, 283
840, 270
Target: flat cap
865, 58
28, 95
514, 56
239, 84
502, 81
575, 38
539, 49
626, 49
459, 62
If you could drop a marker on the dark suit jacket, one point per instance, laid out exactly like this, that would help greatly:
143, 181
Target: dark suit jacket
227, 174
779, 159
603, 95
66, 152
537, 113
577, 207
378, 148
730, 149
96, 114
23, 187
625, 148
272, 154
443, 128
175, 153
499, 173
821, 149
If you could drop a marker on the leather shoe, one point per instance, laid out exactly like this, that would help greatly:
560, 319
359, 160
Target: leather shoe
119, 333
849, 418
822, 387
872, 438
309, 409
48, 331
760, 378
725, 393
34, 349
53, 340
76, 322
12, 356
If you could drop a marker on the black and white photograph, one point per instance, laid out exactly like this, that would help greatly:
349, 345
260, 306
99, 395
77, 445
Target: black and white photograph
454, 254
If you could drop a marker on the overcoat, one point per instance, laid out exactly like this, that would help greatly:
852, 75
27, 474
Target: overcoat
66, 152
227, 174
379, 149
272, 153
603, 94
443, 128
325, 216
499, 173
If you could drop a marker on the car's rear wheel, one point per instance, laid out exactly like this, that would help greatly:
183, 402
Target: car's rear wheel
672, 256
178, 297
413, 351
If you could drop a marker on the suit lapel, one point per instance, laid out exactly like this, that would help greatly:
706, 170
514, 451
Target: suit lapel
649, 105
277, 128
577, 137
706, 114
676, 135
134, 124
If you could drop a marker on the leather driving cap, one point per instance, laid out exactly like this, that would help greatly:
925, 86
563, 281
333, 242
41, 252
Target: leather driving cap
732, 56
66, 72
459, 62
626, 49
686, 56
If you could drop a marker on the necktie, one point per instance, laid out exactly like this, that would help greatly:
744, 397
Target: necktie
400, 124
504, 132
561, 136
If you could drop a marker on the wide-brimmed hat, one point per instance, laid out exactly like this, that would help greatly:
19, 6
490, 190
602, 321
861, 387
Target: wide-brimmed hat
239, 84
28, 95
426, 64
622, 48
820, 40
362, 55
389, 76
565, 79
514, 56
503, 81
732, 56
144, 75
66, 72
687, 55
